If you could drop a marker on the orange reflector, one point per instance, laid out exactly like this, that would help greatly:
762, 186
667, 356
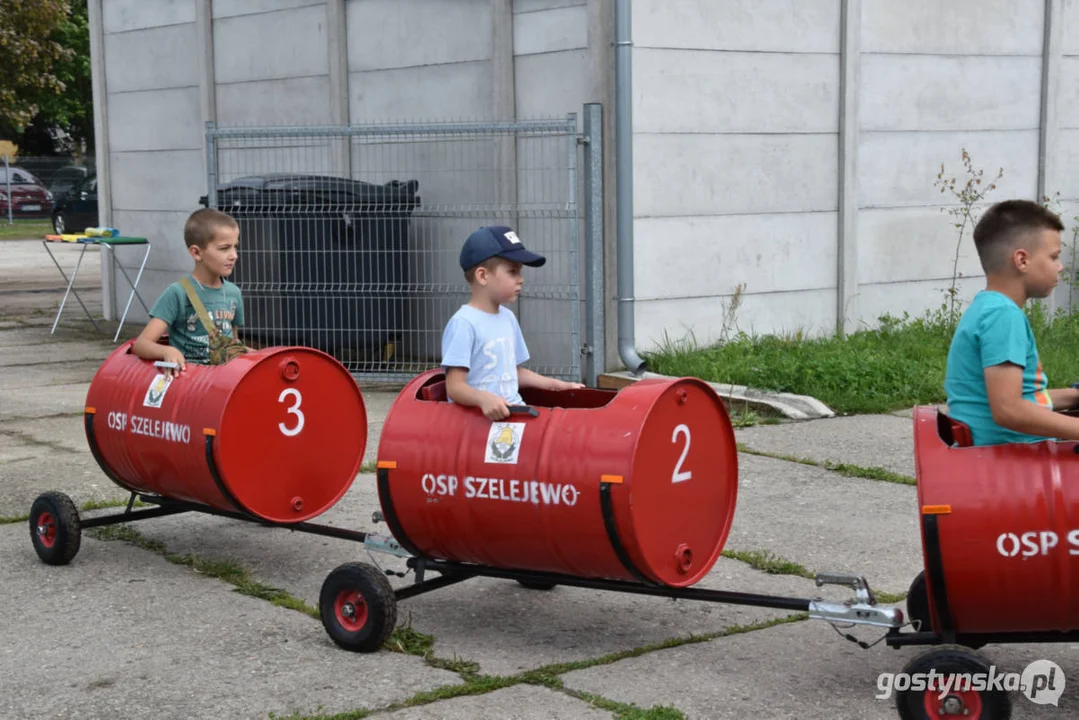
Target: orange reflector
91, 411
612, 479
936, 509
209, 431
387, 465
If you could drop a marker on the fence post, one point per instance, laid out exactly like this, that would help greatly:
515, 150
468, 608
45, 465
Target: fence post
211, 164
7, 176
593, 350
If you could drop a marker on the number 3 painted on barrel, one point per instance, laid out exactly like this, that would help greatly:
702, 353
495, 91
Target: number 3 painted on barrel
294, 410
679, 475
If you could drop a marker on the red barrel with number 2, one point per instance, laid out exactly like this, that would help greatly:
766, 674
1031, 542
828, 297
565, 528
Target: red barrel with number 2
279, 433
637, 485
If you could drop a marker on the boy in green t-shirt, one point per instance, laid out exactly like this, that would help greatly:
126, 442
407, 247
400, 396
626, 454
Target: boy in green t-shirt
212, 239
994, 381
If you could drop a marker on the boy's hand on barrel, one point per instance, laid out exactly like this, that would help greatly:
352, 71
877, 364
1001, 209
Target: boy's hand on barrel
173, 355
494, 407
563, 385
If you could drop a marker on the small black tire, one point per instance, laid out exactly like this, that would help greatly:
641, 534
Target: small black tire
925, 704
358, 607
58, 223
918, 604
533, 585
55, 529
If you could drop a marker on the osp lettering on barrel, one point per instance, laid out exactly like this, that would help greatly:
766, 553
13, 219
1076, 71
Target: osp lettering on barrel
1035, 543
507, 490
160, 429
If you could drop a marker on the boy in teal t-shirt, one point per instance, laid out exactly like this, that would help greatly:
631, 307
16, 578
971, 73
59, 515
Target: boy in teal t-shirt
994, 381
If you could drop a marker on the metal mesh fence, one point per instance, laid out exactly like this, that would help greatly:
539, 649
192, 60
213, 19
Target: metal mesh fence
350, 236
32, 187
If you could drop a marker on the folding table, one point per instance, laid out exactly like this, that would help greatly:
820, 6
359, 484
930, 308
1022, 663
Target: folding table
106, 244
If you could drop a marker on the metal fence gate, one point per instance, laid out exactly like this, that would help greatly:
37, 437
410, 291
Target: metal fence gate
350, 235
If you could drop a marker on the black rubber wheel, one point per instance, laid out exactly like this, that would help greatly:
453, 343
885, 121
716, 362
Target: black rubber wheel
961, 701
358, 607
537, 585
55, 529
918, 604
58, 223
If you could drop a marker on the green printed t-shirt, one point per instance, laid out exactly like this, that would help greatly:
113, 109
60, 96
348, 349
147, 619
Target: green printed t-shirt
186, 333
992, 331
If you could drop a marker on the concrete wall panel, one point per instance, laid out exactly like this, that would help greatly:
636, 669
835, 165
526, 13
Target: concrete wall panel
1068, 100
912, 244
950, 93
811, 311
165, 231
761, 25
124, 15
295, 101
981, 27
389, 34
152, 59
527, 6
730, 174
232, 8
1070, 18
1067, 158
285, 44
155, 120
551, 30
700, 91
708, 256
161, 180
538, 97
459, 91
899, 169
915, 298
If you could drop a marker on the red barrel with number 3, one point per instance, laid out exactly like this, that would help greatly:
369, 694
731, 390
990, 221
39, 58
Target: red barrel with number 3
637, 485
279, 433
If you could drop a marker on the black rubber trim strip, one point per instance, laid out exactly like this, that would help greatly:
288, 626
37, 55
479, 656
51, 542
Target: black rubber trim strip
607, 506
388, 511
211, 463
91, 438
934, 566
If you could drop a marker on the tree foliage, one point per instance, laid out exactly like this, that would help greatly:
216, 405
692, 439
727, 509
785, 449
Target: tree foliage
31, 49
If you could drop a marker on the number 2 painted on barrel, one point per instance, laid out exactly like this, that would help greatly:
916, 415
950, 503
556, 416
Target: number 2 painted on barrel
679, 475
294, 410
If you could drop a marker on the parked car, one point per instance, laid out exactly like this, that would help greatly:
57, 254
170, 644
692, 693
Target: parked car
28, 196
65, 179
78, 210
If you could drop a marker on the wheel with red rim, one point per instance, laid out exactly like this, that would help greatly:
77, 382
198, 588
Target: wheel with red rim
358, 607
55, 530
938, 697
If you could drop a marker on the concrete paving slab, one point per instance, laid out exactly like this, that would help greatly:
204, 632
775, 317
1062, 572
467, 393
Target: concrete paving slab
57, 354
59, 432
828, 522
499, 624
801, 670
883, 441
31, 402
46, 375
73, 473
124, 634
520, 702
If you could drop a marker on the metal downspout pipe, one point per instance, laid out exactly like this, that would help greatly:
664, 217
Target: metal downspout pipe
623, 149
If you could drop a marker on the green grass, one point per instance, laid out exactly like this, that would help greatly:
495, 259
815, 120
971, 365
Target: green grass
24, 229
844, 469
896, 365
85, 507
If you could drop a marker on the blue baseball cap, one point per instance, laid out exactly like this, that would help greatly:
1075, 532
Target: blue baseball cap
497, 241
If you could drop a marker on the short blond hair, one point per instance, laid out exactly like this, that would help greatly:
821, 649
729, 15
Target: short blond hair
202, 225
490, 264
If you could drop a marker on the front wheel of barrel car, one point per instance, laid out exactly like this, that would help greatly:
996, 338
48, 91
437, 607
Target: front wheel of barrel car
946, 688
55, 530
358, 607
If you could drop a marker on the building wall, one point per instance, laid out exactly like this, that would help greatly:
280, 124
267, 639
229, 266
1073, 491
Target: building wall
736, 119
937, 78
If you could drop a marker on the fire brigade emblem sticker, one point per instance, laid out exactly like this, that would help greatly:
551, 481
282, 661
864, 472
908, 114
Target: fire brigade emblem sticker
504, 443
155, 394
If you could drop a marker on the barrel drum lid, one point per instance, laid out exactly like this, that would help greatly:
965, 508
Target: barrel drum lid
278, 433
638, 484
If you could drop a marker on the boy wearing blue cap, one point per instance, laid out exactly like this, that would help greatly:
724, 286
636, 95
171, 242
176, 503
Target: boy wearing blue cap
482, 345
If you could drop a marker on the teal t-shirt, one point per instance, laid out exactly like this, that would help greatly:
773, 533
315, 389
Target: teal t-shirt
992, 331
225, 306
